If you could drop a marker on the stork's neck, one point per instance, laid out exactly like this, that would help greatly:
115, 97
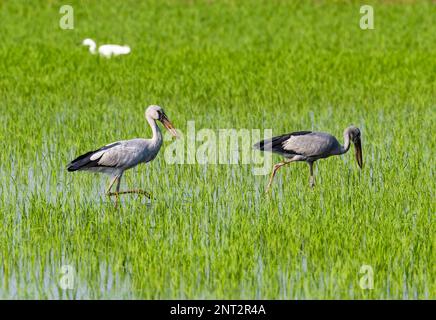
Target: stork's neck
346, 145
157, 135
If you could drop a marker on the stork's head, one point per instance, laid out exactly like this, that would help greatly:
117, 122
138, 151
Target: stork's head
354, 135
88, 42
157, 113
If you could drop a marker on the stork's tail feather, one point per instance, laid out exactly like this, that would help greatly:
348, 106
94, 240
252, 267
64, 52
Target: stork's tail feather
82, 162
264, 145
90, 159
259, 145
273, 144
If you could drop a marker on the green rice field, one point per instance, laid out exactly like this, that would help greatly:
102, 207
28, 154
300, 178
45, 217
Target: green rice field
210, 232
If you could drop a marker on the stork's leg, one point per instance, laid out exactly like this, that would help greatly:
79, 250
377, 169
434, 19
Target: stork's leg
111, 183
276, 167
312, 178
117, 191
116, 178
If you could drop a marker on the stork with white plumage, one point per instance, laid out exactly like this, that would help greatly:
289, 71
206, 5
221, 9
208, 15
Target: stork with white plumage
310, 146
117, 157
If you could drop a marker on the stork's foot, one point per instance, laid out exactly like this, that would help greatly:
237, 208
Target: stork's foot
141, 192
117, 198
117, 194
137, 191
312, 182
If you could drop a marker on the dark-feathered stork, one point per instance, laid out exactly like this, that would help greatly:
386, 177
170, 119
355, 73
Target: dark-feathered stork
117, 157
310, 146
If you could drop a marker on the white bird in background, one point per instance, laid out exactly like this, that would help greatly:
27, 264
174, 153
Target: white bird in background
117, 157
106, 50
310, 146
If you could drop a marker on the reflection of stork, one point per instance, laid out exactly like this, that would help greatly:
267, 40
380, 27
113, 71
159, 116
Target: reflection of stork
119, 156
310, 146
106, 50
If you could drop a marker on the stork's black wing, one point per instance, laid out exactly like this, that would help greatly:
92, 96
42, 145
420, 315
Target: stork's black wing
87, 160
275, 144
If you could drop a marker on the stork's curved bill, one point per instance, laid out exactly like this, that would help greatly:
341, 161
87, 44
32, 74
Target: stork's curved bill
168, 125
358, 152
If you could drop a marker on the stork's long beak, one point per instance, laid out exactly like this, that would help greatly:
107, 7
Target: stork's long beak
358, 150
167, 124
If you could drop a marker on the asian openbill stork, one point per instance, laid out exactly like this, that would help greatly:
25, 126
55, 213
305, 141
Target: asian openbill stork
310, 146
117, 157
